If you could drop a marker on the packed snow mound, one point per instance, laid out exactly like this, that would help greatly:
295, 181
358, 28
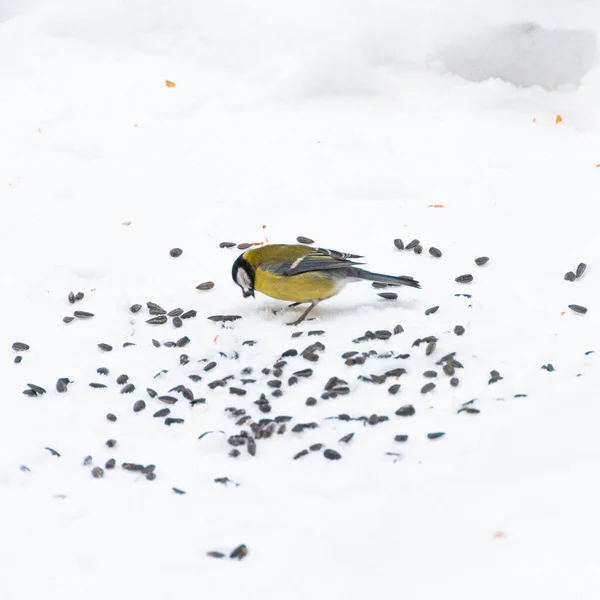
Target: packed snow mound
524, 54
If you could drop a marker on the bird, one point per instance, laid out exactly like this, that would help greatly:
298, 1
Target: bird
302, 274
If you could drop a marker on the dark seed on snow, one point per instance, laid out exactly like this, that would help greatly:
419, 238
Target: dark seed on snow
105, 347
97, 472
581, 267
20, 347
82, 314
213, 554
251, 446
68, 319
244, 246
135, 308
290, 352
139, 405
398, 329
122, 379
61, 385
194, 378
98, 386
394, 388
448, 369
578, 309
177, 322
301, 454
315, 447
401, 438
310, 356
211, 365
163, 412
87, 461
176, 312
418, 249
132, 466
190, 314
159, 320
430, 374
111, 417
481, 261
18, 359
332, 454
435, 252
182, 342
434, 436
207, 285
29, 393
570, 276
379, 285
304, 373
427, 387
316, 332
237, 391
167, 399
111, 443
36, 388
175, 252
71, 297
155, 309
464, 279
399, 244
412, 244
226, 244
224, 318
110, 463
297, 334
432, 310
234, 453
274, 383
172, 421
127, 389
406, 411
430, 348
304, 240
459, 330
102, 371
388, 295
311, 401
346, 438
454, 382
156, 343
178, 491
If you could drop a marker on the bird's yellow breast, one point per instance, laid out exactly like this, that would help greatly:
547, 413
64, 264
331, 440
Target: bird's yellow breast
304, 287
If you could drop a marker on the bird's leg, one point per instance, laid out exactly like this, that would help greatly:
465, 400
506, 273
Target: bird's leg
305, 313
294, 304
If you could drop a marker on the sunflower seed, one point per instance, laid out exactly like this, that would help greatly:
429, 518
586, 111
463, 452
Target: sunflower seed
132, 466
105, 347
98, 472
388, 295
163, 412
36, 388
448, 369
224, 318
436, 435
432, 310
331, 454
244, 246
430, 348
401, 438
316, 332
110, 463
122, 379
379, 285
175, 252
581, 267
111, 417
18, 359
570, 276
127, 389
135, 308
52, 451
211, 365
464, 279
481, 261
160, 320
304, 373
427, 387
111, 443
459, 330
304, 240
79, 296
177, 322
398, 329
87, 461
184, 359
406, 411
399, 244
237, 391
167, 399
394, 388
173, 421
346, 438
578, 309
435, 252
82, 314
418, 249
430, 374
71, 297
139, 405
93, 384
61, 385
251, 446
176, 312
226, 244
412, 244
454, 382
311, 401
183, 342
190, 314
68, 319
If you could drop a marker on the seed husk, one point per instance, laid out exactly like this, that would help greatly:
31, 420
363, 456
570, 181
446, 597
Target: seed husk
155, 309
167, 399
79, 296
175, 252
122, 379
581, 267
418, 249
244, 246
435, 252
399, 244
190, 314
408, 410
401, 438
570, 276
36, 388
127, 389
578, 308
20, 347
173, 421
481, 261
30, 393
159, 320
345, 439
176, 312
135, 308
432, 310
388, 295
435, 435
110, 463
413, 244
464, 279
97, 472
398, 329
316, 332
224, 318
82, 314
207, 285
331, 454
459, 330
304, 240
139, 405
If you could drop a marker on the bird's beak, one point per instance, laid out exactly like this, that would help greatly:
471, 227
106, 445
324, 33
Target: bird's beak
248, 293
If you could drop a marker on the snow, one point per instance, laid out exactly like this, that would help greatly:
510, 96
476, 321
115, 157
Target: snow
346, 123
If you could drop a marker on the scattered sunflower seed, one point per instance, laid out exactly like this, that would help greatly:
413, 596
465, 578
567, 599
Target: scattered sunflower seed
464, 279
398, 329
304, 240
401, 438
139, 405
435, 252
346, 438
427, 387
412, 244
311, 401
454, 382
213, 554
71, 297
432, 310
159, 320
111, 417
61, 385
167, 399
331, 454
135, 308
418, 249
122, 379
110, 463
581, 267
578, 309
244, 246
436, 435
52, 451
459, 330
430, 374
237, 391
207, 285
406, 411
430, 348
481, 261
111, 443
570, 276
98, 472
226, 244
105, 347
93, 384
399, 244
82, 314
379, 285
127, 389
224, 318
175, 252
388, 295
18, 359
20, 347
68, 319
36, 388
394, 388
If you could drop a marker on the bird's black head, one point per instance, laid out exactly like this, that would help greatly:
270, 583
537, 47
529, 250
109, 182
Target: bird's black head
243, 274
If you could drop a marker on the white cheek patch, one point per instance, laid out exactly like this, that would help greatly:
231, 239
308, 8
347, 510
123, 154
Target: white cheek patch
243, 279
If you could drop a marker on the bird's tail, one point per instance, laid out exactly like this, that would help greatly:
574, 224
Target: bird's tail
389, 279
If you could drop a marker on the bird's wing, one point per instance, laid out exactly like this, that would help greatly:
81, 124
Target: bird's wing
319, 259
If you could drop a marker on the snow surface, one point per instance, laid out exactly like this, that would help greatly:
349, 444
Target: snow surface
346, 122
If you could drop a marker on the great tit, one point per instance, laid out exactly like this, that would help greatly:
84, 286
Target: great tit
302, 274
